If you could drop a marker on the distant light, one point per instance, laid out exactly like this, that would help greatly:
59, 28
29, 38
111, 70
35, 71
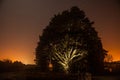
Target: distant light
50, 66
110, 69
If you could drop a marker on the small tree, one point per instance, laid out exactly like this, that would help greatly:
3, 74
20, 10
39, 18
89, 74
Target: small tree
108, 58
66, 52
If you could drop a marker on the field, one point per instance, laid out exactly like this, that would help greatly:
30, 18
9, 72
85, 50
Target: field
48, 76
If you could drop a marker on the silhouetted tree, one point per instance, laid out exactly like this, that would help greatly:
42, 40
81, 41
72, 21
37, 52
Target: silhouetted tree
8, 66
108, 58
74, 23
18, 66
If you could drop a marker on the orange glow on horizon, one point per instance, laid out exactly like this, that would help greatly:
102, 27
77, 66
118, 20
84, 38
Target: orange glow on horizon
17, 56
24, 61
24, 58
114, 53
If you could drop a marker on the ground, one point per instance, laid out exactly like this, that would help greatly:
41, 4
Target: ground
48, 76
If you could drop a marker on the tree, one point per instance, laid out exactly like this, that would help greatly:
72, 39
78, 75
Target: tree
108, 58
66, 52
78, 27
7, 65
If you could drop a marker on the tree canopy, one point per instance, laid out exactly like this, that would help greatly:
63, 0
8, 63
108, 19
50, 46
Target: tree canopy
78, 27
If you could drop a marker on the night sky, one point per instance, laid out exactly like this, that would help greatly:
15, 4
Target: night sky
22, 21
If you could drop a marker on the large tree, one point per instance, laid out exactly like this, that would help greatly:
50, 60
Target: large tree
66, 52
77, 26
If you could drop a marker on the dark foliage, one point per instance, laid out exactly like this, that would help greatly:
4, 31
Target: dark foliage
9, 66
74, 23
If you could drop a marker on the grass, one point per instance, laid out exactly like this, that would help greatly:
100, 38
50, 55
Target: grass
47, 76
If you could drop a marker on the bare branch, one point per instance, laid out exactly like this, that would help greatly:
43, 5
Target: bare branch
65, 54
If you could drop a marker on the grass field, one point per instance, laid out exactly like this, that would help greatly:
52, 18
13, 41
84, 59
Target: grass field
48, 76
